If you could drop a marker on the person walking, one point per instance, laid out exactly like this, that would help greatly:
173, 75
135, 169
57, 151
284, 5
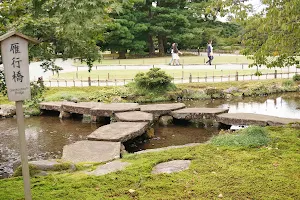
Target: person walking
175, 55
172, 52
209, 52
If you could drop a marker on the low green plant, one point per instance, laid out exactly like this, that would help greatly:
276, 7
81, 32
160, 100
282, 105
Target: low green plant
296, 77
287, 83
253, 136
154, 80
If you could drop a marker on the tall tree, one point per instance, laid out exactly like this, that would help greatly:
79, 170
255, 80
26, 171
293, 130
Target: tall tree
272, 37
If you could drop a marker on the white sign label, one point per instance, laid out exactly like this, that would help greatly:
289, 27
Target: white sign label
16, 68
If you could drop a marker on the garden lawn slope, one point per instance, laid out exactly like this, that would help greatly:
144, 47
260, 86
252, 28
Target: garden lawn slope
271, 172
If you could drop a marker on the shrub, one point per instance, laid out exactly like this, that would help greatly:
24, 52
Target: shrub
287, 83
154, 80
296, 77
253, 136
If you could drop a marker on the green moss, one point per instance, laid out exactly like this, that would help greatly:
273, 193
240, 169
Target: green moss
32, 171
270, 172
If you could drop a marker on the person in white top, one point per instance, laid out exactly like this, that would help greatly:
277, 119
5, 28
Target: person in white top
175, 55
210, 52
172, 52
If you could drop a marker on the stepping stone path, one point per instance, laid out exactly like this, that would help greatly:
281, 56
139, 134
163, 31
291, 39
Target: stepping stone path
253, 119
135, 116
198, 113
134, 119
91, 151
110, 167
171, 166
119, 131
161, 109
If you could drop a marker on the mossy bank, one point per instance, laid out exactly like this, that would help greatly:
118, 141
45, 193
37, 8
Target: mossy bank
217, 170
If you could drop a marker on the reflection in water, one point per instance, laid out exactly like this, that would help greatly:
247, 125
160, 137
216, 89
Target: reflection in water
45, 135
285, 106
172, 136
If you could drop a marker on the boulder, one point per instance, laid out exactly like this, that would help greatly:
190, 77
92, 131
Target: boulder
165, 120
7, 110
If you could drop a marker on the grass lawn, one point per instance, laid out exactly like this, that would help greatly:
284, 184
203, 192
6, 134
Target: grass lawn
165, 60
130, 74
270, 172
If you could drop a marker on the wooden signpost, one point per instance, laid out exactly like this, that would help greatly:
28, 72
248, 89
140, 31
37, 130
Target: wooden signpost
14, 50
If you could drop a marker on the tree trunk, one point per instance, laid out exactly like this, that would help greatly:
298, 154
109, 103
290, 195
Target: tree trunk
165, 44
122, 54
161, 45
151, 45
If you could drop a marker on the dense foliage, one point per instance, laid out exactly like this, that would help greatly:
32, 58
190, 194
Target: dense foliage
272, 37
153, 80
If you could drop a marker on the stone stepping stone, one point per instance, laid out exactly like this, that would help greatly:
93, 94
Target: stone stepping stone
48, 165
161, 109
106, 110
198, 113
135, 116
171, 166
91, 151
253, 119
119, 131
110, 167
79, 108
56, 106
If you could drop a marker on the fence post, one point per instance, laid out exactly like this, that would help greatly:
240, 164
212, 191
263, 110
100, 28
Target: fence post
66, 83
237, 76
74, 82
213, 76
205, 77
98, 81
215, 66
221, 75
288, 72
89, 81
190, 78
108, 76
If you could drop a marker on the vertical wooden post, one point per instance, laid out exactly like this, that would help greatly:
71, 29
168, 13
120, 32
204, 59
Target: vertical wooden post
23, 149
190, 78
236, 76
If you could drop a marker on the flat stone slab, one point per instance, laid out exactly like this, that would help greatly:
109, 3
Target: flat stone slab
79, 108
56, 106
91, 151
119, 131
106, 110
161, 109
198, 113
134, 116
46, 165
110, 167
253, 119
171, 166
